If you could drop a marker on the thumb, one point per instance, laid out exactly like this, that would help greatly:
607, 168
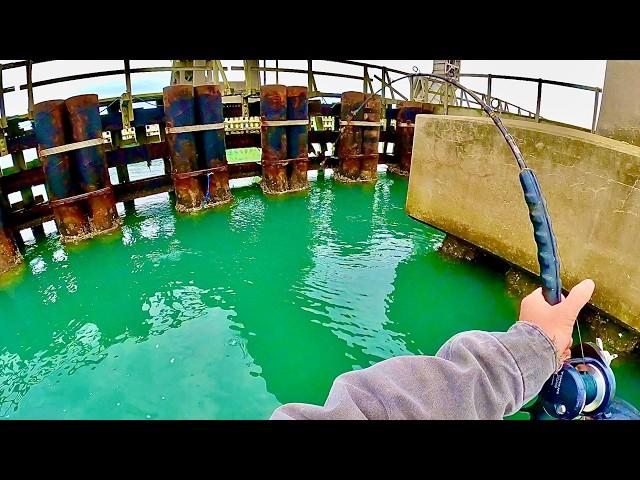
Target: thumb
578, 297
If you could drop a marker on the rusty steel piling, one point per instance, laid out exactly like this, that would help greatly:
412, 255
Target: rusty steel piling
50, 125
405, 124
298, 138
179, 111
91, 165
349, 146
212, 151
9, 254
371, 139
273, 107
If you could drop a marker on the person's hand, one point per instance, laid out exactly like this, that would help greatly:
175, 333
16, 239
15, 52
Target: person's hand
557, 320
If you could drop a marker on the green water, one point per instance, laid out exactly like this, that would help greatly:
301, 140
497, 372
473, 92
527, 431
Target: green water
230, 313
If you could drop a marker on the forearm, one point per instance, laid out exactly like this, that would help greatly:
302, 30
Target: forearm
475, 375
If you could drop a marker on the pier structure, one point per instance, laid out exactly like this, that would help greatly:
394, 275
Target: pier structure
424, 129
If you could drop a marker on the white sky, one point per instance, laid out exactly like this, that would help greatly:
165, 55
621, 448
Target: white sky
558, 103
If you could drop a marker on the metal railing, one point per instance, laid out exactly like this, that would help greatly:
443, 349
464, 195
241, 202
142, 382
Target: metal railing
540, 82
389, 90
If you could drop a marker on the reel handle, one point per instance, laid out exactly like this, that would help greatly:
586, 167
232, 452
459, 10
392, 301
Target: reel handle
544, 237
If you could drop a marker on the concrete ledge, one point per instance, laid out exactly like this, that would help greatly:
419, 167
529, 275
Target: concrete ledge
464, 181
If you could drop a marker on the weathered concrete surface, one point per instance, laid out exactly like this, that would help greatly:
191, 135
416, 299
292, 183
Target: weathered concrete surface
464, 181
620, 108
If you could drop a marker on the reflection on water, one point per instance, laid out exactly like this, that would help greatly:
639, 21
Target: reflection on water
232, 312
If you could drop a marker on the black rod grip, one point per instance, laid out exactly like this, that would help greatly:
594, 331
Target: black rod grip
544, 237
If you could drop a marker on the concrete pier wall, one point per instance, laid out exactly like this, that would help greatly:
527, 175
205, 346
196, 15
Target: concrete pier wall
620, 108
464, 181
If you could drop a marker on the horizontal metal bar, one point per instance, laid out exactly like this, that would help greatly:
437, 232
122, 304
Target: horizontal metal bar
529, 79
22, 63
297, 70
368, 65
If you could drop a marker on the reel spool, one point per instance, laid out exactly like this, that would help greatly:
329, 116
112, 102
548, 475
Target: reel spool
584, 387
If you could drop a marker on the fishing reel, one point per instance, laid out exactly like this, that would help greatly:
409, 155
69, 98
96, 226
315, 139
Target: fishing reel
584, 388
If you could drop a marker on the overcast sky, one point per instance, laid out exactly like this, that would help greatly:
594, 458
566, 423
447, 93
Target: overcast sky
558, 103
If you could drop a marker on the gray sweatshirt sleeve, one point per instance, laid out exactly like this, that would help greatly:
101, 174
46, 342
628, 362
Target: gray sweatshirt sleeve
475, 375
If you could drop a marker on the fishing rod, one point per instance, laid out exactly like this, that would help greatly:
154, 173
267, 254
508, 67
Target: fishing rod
584, 386
538, 212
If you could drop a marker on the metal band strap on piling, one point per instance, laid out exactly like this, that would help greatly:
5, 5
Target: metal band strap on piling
406, 125
363, 156
286, 161
77, 198
195, 128
72, 146
183, 175
359, 123
283, 123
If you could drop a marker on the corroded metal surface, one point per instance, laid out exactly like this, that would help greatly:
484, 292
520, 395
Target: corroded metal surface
91, 167
9, 254
104, 216
273, 106
297, 109
50, 124
84, 117
285, 152
298, 175
370, 139
219, 191
179, 112
212, 143
208, 100
405, 126
350, 141
358, 145
274, 178
298, 138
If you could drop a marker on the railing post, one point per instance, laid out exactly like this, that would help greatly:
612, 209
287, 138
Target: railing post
264, 72
489, 89
384, 88
595, 112
446, 98
29, 68
538, 100
310, 76
277, 76
365, 77
127, 76
3, 116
